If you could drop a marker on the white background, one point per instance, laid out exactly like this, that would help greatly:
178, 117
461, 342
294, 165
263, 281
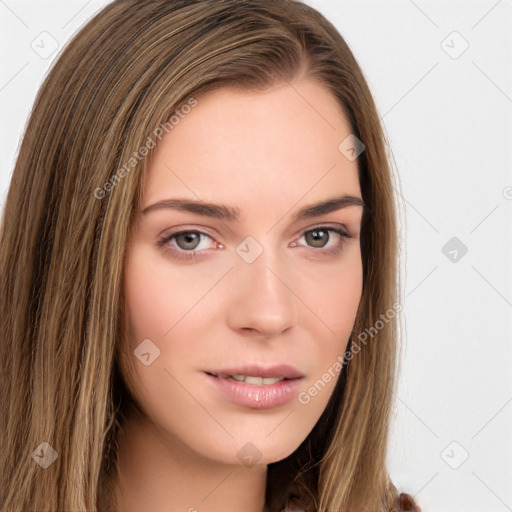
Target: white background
449, 121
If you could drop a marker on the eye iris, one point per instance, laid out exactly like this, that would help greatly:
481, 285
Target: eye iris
318, 237
188, 238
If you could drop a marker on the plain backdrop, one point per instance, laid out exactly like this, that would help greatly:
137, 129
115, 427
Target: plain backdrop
441, 75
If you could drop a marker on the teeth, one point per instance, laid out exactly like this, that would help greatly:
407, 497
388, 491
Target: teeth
271, 380
258, 381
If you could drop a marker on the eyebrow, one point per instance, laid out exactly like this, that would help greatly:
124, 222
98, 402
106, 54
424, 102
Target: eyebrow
233, 214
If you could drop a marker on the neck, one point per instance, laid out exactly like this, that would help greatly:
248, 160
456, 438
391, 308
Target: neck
159, 473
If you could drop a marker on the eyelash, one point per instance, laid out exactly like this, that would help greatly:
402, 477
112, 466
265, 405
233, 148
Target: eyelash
189, 255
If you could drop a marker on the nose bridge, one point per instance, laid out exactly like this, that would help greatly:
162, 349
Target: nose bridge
262, 300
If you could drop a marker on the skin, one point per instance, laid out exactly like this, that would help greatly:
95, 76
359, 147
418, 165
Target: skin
270, 154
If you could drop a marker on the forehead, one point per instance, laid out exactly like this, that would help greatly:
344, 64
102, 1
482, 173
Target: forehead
256, 148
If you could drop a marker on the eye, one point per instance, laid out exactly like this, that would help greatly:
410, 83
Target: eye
320, 236
185, 244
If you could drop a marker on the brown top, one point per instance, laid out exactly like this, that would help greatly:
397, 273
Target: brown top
405, 503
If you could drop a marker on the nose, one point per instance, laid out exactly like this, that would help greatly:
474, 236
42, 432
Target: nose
262, 301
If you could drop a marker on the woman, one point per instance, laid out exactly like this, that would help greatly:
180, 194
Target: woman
142, 370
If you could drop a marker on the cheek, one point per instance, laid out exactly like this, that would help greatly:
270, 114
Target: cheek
333, 293
342, 300
335, 300
157, 294
337, 308
162, 305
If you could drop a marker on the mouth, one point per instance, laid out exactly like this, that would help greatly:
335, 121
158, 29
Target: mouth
257, 387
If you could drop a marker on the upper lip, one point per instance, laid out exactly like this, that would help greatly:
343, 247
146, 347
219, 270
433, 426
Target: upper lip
280, 370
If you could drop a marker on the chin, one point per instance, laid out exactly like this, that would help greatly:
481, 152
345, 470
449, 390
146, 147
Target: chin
249, 449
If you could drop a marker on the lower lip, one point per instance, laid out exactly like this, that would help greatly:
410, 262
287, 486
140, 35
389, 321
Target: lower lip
256, 396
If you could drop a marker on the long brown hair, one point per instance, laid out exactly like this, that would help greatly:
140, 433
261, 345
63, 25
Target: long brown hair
69, 215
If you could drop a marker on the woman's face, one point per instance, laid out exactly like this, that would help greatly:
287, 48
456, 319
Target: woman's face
261, 285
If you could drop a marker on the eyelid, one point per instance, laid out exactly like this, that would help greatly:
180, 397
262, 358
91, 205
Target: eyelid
334, 226
209, 232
